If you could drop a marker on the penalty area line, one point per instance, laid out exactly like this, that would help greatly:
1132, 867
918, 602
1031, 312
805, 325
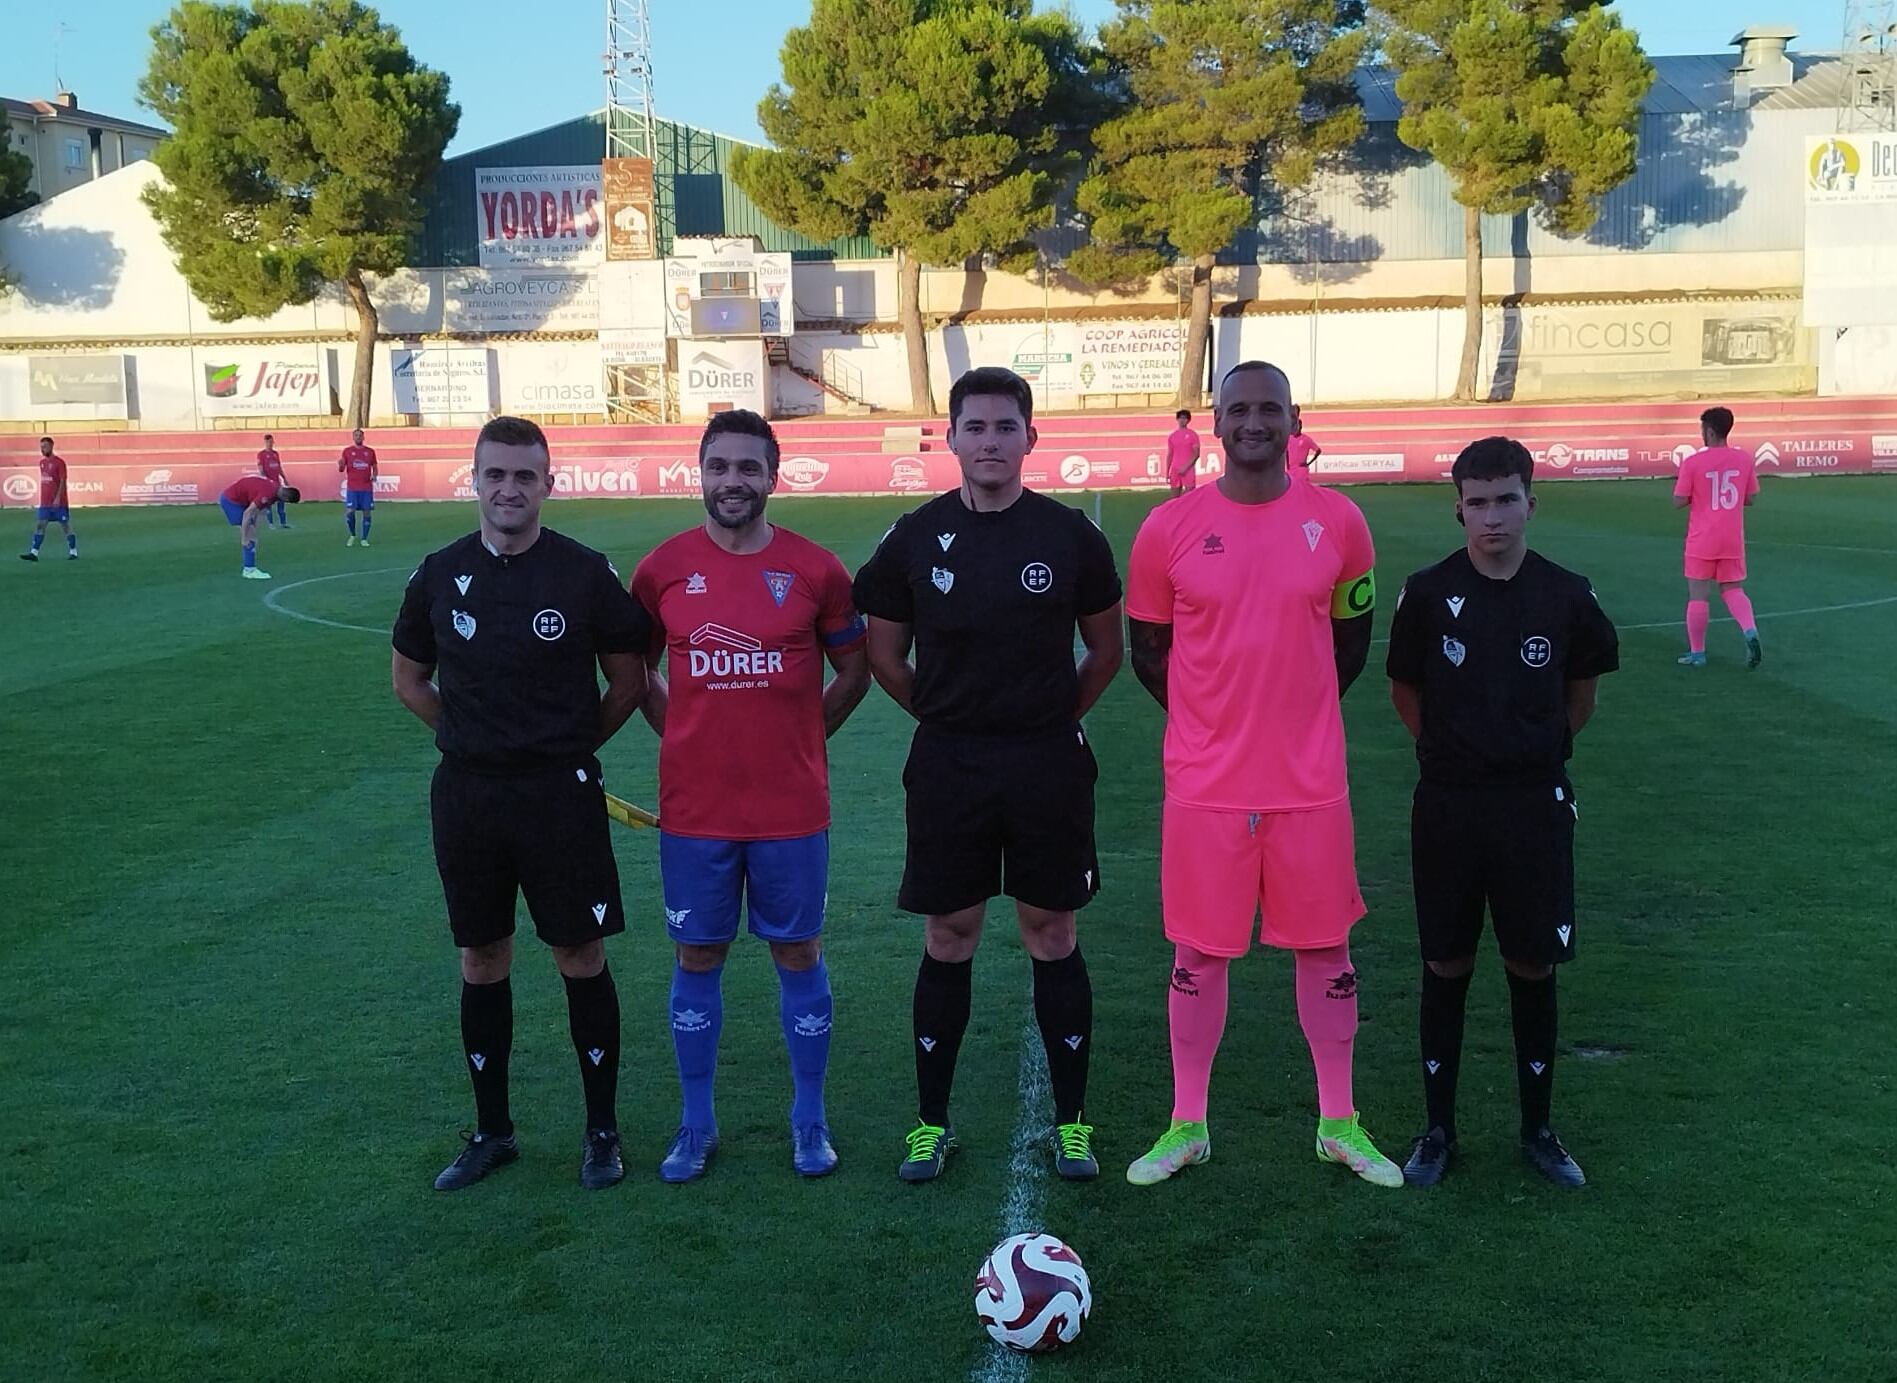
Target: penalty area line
273, 597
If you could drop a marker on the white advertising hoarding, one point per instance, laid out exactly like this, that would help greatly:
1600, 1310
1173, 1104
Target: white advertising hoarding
539, 215
499, 300
440, 379
288, 380
1850, 184
1130, 357
715, 375
563, 377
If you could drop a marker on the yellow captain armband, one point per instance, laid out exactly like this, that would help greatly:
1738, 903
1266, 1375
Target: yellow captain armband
1355, 598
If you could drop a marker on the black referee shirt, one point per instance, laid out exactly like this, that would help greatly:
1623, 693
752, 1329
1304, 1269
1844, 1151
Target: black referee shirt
515, 642
992, 598
1493, 660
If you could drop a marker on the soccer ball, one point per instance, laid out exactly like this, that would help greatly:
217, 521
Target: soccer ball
1032, 1293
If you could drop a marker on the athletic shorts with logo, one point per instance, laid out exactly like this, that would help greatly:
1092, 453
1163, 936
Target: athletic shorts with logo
783, 884
1295, 871
53, 513
354, 500
991, 815
1509, 850
542, 835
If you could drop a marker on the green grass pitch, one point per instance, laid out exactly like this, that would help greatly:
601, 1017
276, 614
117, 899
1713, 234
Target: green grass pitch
229, 1064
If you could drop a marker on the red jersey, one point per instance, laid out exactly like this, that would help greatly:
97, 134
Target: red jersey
270, 464
742, 756
251, 489
358, 464
52, 482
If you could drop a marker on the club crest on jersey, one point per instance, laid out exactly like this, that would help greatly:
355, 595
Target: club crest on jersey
779, 582
695, 583
1453, 650
1455, 603
1536, 651
464, 624
943, 578
461, 583
1313, 530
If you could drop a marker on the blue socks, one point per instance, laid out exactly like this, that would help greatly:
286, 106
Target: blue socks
350, 519
250, 555
365, 527
698, 1012
806, 1008
38, 538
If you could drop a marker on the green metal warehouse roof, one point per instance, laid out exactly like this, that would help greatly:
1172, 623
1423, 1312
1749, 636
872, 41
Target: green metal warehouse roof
697, 194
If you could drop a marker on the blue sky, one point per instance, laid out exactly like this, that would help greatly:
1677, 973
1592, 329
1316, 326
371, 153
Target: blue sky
518, 67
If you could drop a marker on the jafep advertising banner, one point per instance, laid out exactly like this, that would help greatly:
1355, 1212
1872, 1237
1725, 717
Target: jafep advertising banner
440, 379
53, 379
539, 215
493, 300
293, 380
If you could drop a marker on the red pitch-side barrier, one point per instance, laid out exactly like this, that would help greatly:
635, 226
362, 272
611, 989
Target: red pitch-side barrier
852, 456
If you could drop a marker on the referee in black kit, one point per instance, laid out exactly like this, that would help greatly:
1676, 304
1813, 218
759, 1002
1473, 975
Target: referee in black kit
1494, 657
508, 623
988, 583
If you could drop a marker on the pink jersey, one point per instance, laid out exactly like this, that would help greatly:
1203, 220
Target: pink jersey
1253, 721
743, 757
1718, 481
269, 463
1182, 454
358, 463
1297, 456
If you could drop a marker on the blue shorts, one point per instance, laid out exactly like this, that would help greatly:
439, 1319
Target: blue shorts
53, 513
786, 883
232, 509
358, 499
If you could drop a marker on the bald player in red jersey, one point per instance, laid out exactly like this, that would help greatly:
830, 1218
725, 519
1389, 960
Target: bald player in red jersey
746, 614
54, 505
358, 466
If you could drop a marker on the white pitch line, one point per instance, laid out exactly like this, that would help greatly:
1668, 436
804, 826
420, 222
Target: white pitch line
1762, 614
276, 592
1027, 1184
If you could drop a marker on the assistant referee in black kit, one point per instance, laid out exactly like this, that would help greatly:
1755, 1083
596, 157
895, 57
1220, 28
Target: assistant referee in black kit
989, 582
1494, 656
509, 623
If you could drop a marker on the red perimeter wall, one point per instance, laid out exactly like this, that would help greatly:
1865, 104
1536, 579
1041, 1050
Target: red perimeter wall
847, 456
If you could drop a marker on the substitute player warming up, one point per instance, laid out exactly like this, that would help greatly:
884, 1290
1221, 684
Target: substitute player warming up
1249, 608
495, 651
747, 611
55, 505
1716, 486
1494, 655
989, 582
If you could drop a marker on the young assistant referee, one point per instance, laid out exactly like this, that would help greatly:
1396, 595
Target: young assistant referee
496, 650
1495, 653
989, 583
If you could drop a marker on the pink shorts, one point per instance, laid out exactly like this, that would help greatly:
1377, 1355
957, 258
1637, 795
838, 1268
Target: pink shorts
1186, 480
1297, 871
1715, 568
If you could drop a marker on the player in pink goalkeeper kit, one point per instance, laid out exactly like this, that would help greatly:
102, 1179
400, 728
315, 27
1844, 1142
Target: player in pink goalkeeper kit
1717, 486
1182, 454
1249, 606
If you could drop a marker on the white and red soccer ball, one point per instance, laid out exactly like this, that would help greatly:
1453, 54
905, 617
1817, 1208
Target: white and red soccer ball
1032, 1293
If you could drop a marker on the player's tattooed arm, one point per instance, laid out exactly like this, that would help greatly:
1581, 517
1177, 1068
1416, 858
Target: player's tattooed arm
1151, 648
889, 644
1350, 642
625, 675
415, 688
1106, 650
846, 690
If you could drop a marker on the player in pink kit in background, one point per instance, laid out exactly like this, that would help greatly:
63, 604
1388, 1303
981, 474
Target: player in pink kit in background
1249, 612
1182, 455
1716, 487
1300, 452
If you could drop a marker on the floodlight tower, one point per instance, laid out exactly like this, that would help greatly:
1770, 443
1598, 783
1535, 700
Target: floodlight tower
1869, 55
629, 120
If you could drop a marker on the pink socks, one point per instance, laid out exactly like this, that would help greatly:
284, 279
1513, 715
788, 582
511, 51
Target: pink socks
1740, 607
1195, 1004
1327, 1010
1699, 614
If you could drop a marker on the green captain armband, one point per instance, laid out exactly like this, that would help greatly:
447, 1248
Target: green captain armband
1355, 598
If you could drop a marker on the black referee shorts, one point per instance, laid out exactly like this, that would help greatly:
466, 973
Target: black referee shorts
1507, 849
995, 814
542, 834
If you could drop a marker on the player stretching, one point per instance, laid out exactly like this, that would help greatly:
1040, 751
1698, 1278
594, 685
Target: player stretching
1494, 656
270, 466
1249, 608
989, 582
357, 463
746, 614
495, 651
244, 501
54, 507
1182, 455
1717, 486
